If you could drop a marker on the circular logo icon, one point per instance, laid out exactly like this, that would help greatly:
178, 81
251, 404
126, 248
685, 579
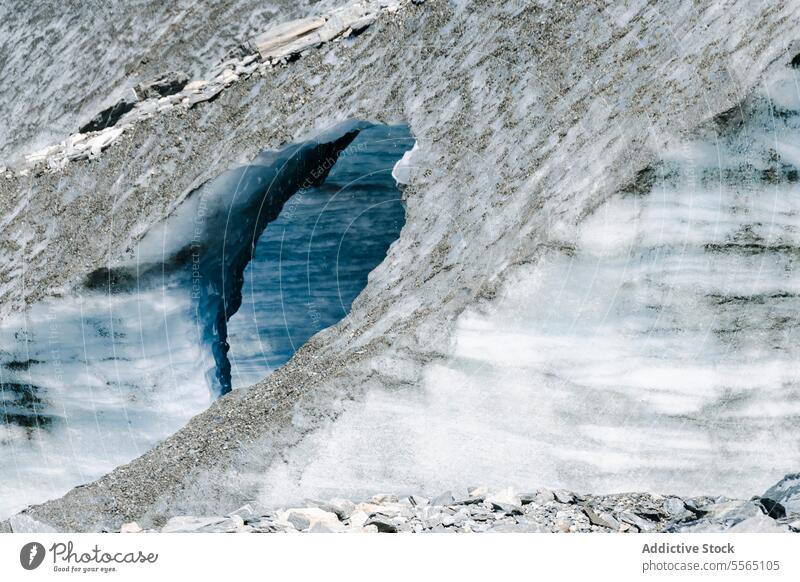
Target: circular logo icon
31, 555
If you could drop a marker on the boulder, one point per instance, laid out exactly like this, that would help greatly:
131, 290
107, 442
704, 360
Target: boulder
787, 493
506, 508
504, 499
383, 524
341, 507
677, 510
305, 518
601, 518
563, 496
250, 512
298, 520
358, 518
772, 508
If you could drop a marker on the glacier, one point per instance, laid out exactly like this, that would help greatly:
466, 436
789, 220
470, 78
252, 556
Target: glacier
97, 377
593, 288
656, 351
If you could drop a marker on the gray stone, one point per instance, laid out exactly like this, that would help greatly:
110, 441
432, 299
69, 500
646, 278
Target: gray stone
787, 493
540, 496
720, 517
674, 506
641, 524
250, 512
601, 518
479, 513
692, 506
530, 526
505, 496
358, 518
342, 508
507, 508
418, 500
21, 523
676, 509
772, 508
298, 520
264, 525
563, 496
383, 523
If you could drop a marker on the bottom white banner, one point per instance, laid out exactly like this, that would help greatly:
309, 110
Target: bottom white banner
399, 557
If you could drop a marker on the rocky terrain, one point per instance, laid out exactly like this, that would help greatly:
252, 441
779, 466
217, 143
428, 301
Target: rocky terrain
480, 509
527, 119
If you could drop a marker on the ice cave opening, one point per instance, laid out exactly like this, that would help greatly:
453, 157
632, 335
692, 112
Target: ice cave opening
214, 297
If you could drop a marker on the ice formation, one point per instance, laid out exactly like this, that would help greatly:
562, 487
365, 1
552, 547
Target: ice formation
93, 380
658, 352
591, 289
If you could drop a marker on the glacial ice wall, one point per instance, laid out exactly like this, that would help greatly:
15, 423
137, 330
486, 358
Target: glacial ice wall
657, 351
92, 381
528, 118
95, 378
